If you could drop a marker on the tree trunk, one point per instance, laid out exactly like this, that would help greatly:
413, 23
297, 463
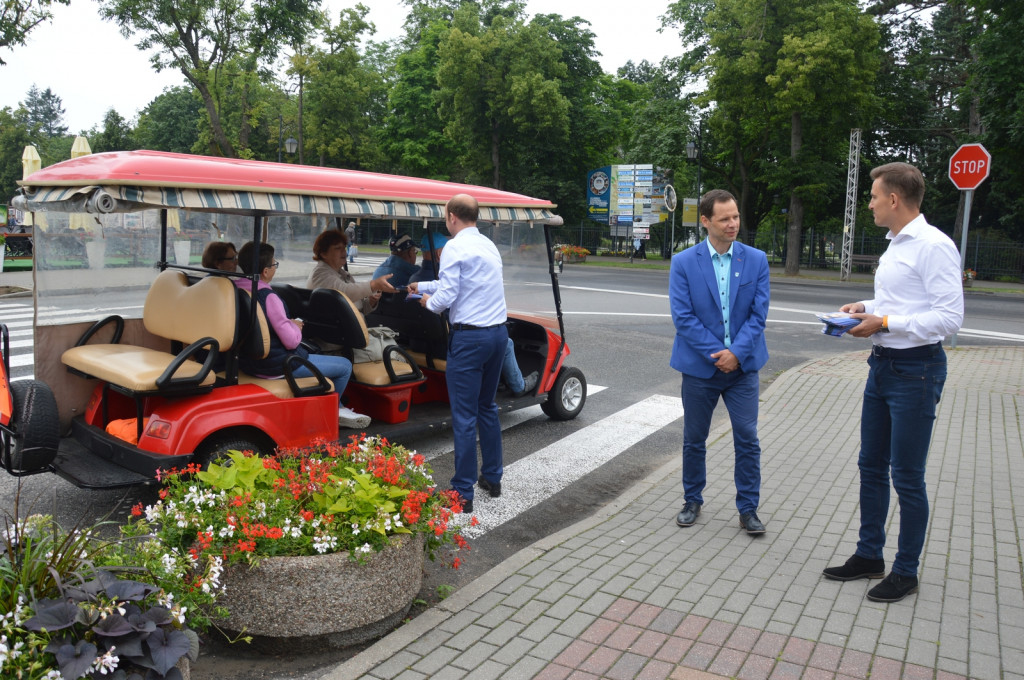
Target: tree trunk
744, 196
302, 143
219, 138
496, 155
796, 204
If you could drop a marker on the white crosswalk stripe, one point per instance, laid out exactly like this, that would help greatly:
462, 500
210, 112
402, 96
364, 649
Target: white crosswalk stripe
544, 473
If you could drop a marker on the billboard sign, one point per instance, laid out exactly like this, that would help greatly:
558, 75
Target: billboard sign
599, 194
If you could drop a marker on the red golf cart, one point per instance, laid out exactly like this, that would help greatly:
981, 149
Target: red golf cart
117, 396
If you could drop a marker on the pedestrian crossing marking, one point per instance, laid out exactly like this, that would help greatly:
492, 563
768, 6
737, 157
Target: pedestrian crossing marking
544, 473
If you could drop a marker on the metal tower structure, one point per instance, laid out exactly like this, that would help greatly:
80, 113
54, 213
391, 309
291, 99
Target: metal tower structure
850, 217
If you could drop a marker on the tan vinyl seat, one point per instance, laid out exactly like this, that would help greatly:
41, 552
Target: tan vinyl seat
173, 310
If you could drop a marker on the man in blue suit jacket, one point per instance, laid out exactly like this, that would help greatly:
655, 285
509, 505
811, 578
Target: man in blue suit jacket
719, 291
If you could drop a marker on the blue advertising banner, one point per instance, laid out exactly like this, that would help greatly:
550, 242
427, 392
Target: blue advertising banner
599, 184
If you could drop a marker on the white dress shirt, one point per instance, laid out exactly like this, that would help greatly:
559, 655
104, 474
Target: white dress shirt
469, 284
919, 286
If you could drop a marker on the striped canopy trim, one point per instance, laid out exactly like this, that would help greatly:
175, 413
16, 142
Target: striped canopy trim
131, 198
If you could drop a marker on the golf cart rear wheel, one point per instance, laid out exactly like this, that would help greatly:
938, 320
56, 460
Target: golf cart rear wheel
215, 449
37, 423
567, 395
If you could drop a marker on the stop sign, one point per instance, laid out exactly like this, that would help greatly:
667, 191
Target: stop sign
969, 166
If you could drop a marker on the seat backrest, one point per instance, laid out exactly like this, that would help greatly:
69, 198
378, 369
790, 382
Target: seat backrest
330, 316
178, 311
421, 329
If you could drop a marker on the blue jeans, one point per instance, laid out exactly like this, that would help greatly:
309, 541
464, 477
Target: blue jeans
895, 430
338, 369
474, 367
510, 372
739, 391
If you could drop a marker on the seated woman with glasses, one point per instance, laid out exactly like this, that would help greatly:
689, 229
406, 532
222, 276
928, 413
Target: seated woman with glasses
221, 255
286, 334
329, 251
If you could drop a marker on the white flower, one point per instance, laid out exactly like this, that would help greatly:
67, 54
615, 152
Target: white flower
106, 663
365, 548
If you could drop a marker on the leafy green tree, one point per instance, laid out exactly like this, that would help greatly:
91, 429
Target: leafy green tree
116, 135
219, 47
999, 75
412, 136
45, 112
15, 135
343, 98
804, 68
170, 122
19, 17
500, 83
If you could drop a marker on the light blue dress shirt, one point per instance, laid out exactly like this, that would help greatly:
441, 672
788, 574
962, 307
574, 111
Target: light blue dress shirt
723, 268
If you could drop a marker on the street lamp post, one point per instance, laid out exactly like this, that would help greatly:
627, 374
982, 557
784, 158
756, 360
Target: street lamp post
290, 145
697, 151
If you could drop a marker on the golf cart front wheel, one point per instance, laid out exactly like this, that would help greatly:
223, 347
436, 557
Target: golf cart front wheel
567, 395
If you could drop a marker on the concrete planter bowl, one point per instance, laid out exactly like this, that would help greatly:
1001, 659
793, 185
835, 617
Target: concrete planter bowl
312, 603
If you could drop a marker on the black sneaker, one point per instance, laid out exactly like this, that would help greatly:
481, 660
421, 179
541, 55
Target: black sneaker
893, 588
494, 490
688, 515
856, 567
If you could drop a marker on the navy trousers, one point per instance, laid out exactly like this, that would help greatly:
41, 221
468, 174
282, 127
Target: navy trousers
475, 357
739, 391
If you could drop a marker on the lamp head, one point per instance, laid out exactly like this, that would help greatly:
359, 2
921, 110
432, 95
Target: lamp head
291, 145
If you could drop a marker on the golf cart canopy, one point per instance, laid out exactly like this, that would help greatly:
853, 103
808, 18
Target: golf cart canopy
127, 181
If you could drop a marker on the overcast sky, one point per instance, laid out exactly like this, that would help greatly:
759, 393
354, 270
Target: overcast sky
85, 61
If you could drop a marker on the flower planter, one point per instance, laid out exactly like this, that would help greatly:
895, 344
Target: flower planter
573, 259
305, 604
968, 283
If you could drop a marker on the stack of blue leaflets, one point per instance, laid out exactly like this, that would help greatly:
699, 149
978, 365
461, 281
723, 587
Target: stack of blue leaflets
836, 323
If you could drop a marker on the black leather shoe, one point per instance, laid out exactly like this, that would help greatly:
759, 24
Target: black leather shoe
688, 515
893, 588
856, 567
751, 524
494, 490
529, 384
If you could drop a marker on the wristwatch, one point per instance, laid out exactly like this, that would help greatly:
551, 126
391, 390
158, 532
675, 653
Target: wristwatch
885, 324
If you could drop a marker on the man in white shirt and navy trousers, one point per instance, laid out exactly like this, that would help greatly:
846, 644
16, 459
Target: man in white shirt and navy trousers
919, 300
470, 287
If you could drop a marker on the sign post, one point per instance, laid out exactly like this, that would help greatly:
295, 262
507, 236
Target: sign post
969, 166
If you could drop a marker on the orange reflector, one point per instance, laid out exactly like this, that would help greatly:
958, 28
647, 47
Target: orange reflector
159, 429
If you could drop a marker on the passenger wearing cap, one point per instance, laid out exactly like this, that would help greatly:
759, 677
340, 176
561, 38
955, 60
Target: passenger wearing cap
401, 264
431, 246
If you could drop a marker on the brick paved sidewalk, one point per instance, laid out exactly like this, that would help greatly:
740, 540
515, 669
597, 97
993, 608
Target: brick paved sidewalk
628, 594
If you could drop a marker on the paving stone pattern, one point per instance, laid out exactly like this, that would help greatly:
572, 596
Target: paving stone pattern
628, 594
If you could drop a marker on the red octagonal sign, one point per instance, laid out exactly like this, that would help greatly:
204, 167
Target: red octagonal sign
969, 166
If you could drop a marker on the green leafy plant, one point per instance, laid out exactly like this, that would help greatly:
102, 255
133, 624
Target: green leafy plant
325, 498
969, 274
64, 615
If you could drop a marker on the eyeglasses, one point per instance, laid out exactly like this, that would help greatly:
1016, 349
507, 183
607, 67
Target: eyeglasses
233, 258
275, 265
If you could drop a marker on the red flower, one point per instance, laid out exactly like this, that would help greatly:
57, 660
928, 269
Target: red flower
137, 510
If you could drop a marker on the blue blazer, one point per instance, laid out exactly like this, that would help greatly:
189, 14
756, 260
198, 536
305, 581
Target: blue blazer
697, 313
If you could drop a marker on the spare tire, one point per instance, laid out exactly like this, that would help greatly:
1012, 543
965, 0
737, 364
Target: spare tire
37, 425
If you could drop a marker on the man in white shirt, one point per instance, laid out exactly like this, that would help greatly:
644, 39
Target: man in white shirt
918, 302
470, 287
